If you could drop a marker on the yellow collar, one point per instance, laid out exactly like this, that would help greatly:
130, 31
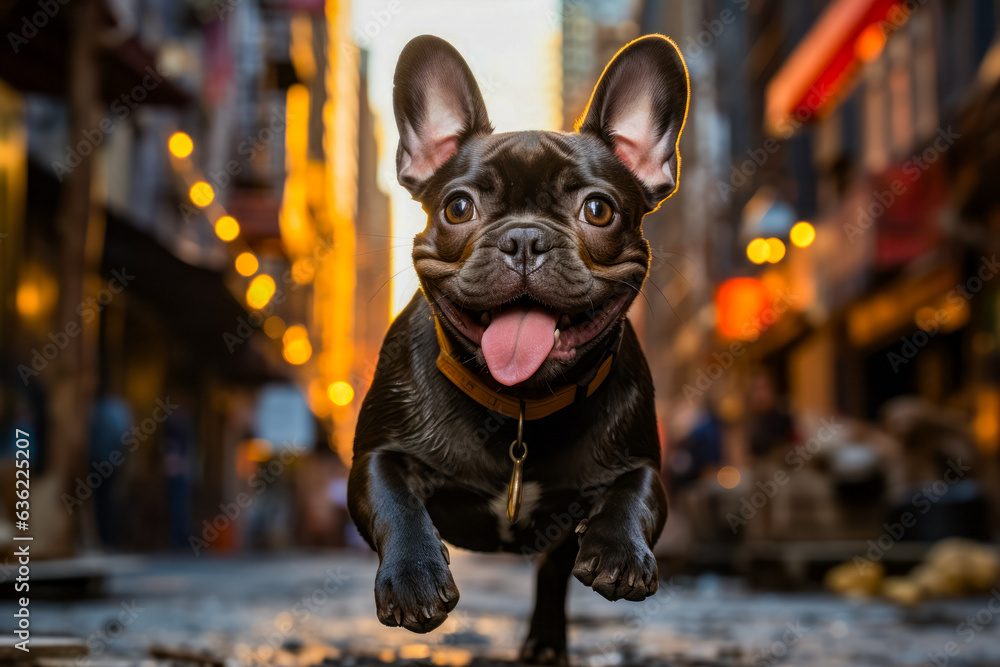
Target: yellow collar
534, 408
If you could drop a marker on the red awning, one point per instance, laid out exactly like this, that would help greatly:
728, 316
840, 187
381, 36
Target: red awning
822, 68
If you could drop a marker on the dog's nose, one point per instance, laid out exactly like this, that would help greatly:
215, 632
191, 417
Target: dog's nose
523, 247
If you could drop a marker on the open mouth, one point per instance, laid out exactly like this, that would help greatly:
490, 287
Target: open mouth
519, 335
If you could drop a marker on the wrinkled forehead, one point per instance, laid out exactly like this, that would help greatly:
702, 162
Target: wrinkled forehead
533, 167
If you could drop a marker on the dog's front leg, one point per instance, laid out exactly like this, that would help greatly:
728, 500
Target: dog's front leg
414, 587
616, 542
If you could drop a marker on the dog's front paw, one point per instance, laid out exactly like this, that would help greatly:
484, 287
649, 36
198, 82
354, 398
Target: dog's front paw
415, 593
616, 564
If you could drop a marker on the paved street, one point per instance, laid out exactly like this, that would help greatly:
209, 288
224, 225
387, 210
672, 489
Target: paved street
304, 609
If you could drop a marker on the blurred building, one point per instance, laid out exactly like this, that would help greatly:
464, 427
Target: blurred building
194, 172
840, 241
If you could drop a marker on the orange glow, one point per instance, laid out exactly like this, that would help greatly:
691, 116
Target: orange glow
776, 250
739, 304
414, 652
246, 264
226, 228
319, 402
304, 270
201, 194
986, 425
260, 291
335, 280
294, 333
274, 327
926, 318
728, 477
301, 47
758, 251
340, 393
180, 145
297, 348
298, 352
37, 292
870, 43
29, 300
258, 449
802, 234
825, 64
446, 656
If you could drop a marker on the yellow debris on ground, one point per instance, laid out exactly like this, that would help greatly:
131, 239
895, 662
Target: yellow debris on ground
951, 568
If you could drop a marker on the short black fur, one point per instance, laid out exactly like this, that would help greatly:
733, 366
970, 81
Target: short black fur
430, 463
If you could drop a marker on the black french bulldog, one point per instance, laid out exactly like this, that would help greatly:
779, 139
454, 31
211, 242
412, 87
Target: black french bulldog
532, 254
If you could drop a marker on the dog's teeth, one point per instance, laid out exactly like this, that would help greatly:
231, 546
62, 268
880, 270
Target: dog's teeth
556, 336
485, 319
564, 321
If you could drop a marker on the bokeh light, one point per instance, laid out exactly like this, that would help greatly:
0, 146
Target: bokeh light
246, 264
775, 250
226, 228
802, 234
870, 43
758, 251
297, 348
260, 291
728, 477
739, 304
180, 145
340, 393
201, 194
274, 327
304, 270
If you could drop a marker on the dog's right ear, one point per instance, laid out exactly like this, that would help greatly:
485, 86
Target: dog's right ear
437, 105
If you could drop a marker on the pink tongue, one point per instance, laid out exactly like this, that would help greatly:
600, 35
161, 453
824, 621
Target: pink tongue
517, 341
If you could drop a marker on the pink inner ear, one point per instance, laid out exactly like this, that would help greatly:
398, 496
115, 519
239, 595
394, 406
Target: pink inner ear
643, 152
437, 140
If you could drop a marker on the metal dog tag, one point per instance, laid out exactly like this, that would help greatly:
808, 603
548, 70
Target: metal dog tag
515, 489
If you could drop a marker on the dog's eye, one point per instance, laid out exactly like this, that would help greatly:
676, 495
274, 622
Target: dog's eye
460, 209
596, 212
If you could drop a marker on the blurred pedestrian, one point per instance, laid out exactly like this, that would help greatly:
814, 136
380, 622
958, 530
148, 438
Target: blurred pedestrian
769, 425
111, 419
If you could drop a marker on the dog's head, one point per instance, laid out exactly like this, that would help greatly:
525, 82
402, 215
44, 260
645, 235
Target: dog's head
533, 249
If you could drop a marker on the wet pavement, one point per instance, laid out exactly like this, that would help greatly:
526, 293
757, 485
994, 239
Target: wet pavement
310, 609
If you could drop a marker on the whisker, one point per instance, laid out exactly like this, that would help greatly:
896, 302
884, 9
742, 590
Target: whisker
660, 292
408, 266
386, 236
392, 247
678, 271
638, 291
673, 252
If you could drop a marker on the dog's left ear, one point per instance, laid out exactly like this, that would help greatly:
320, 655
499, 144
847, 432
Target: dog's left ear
438, 107
638, 108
